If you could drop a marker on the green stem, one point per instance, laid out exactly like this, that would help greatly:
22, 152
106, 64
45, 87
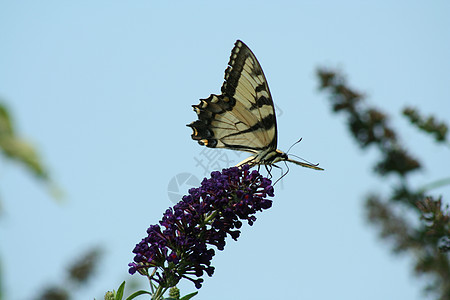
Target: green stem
159, 293
210, 217
150, 281
435, 184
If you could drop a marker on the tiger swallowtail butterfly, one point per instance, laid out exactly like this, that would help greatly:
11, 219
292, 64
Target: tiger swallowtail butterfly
243, 116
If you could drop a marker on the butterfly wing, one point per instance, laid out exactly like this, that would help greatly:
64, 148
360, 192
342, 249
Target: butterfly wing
243, 116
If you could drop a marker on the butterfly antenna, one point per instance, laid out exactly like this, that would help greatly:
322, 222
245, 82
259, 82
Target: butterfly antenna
294, 145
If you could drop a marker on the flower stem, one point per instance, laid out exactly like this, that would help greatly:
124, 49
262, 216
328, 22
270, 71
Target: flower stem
159, 293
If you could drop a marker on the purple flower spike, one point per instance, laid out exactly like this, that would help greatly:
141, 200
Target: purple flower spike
180, 246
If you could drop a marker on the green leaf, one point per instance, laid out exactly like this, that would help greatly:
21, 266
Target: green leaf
138, 293
119, 294
189, 296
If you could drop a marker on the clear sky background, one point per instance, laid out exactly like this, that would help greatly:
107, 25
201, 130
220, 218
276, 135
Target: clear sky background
104, 89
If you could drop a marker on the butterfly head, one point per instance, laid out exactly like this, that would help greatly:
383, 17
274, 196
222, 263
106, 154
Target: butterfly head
279, 156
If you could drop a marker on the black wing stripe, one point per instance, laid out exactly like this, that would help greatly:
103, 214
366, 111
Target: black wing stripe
265, 124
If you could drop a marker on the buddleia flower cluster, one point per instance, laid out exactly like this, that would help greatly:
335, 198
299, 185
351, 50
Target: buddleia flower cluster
181, 246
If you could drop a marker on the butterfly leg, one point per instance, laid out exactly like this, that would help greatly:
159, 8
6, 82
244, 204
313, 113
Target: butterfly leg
282, 174
269, 171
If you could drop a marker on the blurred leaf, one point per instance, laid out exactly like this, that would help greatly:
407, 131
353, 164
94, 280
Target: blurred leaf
55, 293
18, 149
79, 273
84, 268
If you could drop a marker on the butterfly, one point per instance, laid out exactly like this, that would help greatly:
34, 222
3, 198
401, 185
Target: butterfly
243, 116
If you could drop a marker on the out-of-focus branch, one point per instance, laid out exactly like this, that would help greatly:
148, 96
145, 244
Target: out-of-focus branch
429, 125
426, 240
368, 125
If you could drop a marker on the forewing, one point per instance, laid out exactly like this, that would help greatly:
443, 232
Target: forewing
243, 116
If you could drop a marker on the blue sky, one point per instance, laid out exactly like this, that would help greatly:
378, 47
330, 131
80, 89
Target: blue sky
104, 89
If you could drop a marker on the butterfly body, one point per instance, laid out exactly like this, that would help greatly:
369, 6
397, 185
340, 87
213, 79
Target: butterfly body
243, 116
